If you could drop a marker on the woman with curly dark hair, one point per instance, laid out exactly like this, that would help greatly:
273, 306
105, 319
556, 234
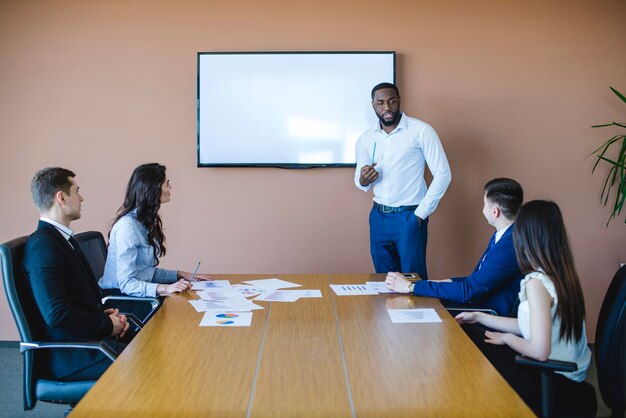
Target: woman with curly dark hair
136, 240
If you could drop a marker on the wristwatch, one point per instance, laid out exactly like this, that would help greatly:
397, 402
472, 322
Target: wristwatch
411, 287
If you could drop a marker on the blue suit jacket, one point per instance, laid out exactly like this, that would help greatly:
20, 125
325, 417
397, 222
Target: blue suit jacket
494, 283
68, 297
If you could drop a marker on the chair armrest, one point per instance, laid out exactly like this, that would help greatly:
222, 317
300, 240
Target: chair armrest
154, 302
139, 323
94, 345
134, 320
457, 310
548, 365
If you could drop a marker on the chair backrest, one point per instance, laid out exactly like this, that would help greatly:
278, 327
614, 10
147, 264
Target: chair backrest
93, 245
610, 344
30, 323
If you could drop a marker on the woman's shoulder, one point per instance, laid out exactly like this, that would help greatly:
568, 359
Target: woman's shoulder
127, 223
540, 276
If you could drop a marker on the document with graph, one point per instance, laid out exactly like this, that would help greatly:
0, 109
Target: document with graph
404, 316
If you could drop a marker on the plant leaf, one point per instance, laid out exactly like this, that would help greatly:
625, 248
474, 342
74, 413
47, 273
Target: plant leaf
603, 125
604, 196
607, 144
618, 94
617, 172
615, 163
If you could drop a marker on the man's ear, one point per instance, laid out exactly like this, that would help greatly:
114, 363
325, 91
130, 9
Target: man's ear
60, 197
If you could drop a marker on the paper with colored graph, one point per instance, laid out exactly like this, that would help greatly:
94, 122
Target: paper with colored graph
226, 319
210, 284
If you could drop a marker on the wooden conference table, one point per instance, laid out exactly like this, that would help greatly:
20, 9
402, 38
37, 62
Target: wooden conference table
333, 356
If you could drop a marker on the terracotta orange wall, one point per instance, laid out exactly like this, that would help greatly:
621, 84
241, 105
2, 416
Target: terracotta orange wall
511, 87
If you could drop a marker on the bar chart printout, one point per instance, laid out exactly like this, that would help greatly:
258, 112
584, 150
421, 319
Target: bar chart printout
352, 289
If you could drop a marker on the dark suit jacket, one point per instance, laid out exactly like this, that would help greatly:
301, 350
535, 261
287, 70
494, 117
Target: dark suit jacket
494, 283
68, 298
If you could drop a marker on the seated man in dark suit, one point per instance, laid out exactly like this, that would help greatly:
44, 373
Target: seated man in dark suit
495, 282
63, 285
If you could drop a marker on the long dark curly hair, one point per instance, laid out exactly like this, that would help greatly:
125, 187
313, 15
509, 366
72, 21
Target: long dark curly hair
144, 194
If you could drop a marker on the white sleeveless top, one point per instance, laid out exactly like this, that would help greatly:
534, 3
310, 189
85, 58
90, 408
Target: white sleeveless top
577, 352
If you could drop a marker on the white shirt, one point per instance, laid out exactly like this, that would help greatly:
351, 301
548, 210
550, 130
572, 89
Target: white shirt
64, 230
574, 351
401, 157
500, 233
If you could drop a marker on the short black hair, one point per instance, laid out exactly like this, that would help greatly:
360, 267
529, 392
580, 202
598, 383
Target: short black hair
385, 86
507, 194
47, 182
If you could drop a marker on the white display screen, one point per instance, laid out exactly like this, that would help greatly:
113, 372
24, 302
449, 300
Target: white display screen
289, 109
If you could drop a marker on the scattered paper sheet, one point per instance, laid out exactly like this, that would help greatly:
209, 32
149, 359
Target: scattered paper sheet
273, 283
247, 290
221, 294
227, 299
352, 289
275, 295
207, 305
380, 287
403, 316
210, 284
226, 319
313, 293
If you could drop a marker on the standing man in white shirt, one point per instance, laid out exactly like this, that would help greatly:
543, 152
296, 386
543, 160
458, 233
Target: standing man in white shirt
390, 159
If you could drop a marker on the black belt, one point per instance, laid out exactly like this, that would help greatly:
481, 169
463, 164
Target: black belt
390, 209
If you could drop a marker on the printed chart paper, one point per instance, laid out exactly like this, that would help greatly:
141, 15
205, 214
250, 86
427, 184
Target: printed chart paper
273, 283
404, 316
229, 299
207, 305
313, 293
210, 284
226, 319
221, 294
276, 295
352, 289
247, 290
380, 287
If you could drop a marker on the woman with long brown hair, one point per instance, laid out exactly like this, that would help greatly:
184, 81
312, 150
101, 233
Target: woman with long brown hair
550, 323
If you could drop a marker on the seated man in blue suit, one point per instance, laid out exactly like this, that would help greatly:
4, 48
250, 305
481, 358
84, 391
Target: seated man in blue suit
495, 282
63, 285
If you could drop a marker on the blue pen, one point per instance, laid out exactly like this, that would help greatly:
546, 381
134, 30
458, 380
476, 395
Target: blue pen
374, 153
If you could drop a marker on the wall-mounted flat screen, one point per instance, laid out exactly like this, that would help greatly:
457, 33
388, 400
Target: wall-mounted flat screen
286, 109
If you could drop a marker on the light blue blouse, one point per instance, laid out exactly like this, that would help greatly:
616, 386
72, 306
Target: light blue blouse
130, 264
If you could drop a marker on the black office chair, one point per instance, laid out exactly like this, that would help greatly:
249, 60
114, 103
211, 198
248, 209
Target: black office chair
38, 386
94, 247
610, 355
455, 310
458, 309
610, 345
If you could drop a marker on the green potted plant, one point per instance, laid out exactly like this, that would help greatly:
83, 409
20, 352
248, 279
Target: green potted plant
616, 178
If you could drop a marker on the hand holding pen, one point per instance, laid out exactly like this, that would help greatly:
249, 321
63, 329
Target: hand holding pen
368, 173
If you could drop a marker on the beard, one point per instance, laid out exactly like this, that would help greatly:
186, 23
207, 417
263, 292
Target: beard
391, 122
